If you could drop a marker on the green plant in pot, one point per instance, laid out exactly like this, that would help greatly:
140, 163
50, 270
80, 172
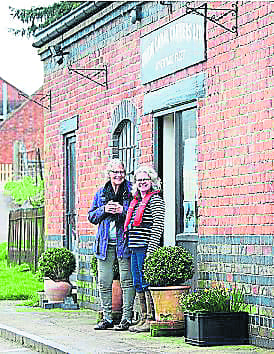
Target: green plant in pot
166, 270
56, 265
215, 316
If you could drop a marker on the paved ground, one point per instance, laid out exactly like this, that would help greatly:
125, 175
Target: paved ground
58, 331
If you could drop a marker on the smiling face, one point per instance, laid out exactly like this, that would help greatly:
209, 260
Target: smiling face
143, 183
116, 175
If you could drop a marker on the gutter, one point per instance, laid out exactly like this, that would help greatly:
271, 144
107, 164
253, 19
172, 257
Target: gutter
68, 21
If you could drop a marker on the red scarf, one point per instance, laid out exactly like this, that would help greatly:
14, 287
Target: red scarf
140, 211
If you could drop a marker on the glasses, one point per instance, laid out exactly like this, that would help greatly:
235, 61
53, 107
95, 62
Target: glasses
118, 172
142, 180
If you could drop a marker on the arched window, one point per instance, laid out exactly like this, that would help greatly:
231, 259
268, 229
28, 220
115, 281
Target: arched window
124, 136
124, 145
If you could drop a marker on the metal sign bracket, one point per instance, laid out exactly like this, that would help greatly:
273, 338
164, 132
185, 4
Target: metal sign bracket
97, 72
41, 99
203, 10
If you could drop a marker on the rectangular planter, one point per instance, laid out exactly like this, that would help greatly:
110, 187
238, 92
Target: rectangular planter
216, 328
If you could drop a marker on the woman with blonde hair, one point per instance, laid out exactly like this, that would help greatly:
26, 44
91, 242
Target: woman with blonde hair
144, 227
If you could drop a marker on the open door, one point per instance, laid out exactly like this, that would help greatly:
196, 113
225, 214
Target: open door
70, 167
176, 163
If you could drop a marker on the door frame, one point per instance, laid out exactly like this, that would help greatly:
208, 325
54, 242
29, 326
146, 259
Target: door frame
187, 240
70, 203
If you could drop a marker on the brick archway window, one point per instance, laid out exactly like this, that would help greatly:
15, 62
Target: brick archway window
124, 146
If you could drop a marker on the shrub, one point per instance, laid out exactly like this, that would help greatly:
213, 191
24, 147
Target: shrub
57, 264
168, 265
26, 190
216, 299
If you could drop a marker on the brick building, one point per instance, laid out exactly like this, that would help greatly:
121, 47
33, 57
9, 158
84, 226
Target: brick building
10, 99
21, 141
22, 135
167, 84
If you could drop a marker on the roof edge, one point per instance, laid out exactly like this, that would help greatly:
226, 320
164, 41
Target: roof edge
68, 21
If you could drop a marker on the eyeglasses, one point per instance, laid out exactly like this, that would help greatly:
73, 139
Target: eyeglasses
142, 180
118, 172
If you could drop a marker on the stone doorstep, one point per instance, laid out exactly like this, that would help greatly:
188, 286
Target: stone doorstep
31, 341
60, 305
68, 304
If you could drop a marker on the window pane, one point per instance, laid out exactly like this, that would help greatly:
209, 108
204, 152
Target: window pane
124, 146
187, 179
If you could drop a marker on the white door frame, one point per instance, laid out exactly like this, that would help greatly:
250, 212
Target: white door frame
169, 178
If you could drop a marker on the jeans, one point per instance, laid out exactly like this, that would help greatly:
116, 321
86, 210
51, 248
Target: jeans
105, 278
138, 256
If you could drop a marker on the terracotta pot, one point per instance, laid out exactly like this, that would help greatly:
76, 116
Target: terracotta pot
117, 298
56, 291
166, 302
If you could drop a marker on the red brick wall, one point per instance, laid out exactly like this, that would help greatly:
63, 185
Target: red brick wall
94, 106
25, 124
234, 123
235, 128
235, 159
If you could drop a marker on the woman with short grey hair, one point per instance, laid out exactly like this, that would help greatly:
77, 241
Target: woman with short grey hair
108, 211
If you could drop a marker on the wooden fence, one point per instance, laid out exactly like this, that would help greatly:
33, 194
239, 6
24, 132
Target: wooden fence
26, 236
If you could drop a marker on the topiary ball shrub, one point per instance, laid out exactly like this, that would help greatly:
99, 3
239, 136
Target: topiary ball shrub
57, 264
168, 265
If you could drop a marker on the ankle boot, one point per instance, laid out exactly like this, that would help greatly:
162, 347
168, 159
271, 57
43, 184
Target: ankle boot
145, 327
143, 315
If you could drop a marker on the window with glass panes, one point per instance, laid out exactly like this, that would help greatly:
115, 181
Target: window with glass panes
176, 163
124, 146
186, 171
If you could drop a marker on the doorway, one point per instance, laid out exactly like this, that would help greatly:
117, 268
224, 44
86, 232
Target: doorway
70, 173
176, 163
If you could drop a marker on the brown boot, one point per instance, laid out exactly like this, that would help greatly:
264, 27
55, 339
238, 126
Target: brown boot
145, 327
143, 314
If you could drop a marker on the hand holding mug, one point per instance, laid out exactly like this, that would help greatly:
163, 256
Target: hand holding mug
113, 207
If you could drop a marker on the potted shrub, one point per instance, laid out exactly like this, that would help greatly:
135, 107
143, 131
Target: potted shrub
215, 316
56, 265
166, 270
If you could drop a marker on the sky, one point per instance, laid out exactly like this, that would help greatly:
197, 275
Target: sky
20, 64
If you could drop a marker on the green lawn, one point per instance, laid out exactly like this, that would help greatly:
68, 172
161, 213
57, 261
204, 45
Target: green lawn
16, 284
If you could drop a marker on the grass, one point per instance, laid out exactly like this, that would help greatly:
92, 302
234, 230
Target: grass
17, 282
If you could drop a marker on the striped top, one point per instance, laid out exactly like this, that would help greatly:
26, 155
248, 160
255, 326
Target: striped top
151, 229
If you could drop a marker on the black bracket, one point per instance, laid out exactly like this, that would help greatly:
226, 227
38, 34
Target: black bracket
97, 72
41, 99
214, 18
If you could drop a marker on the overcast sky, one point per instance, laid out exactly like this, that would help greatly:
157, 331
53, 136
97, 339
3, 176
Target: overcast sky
20, 64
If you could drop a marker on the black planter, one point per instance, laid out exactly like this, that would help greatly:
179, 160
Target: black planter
216, 328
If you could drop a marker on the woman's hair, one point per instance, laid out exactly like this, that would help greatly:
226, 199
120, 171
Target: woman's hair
111, 164
155, 180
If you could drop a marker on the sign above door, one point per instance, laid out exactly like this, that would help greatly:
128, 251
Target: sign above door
173, 47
